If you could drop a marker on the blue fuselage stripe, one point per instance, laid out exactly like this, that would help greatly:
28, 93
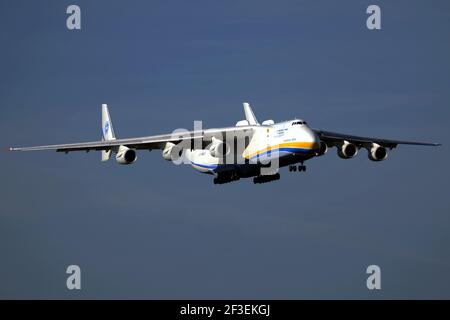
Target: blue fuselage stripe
280, 150
205, 166
288, 150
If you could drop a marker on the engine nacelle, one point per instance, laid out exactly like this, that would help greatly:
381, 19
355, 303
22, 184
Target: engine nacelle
377, 153
172, 151
218, 148
126, 155
322, 149
167, 151
347, 150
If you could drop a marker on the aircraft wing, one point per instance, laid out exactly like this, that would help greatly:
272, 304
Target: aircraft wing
148, 143
336, 138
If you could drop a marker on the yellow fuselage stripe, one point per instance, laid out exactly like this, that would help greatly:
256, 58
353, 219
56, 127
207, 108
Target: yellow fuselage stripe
302, 145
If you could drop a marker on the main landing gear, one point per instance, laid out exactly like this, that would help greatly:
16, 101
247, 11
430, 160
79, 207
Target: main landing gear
266, 178
293, 168
226, 178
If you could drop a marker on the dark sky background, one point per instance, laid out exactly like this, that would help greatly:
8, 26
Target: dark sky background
155, 230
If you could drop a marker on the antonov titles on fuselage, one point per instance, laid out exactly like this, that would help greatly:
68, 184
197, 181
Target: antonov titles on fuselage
249, 149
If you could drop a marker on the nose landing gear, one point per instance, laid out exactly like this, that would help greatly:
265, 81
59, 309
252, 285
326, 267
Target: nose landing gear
294, 168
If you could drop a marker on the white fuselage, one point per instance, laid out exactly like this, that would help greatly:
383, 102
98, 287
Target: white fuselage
287, 142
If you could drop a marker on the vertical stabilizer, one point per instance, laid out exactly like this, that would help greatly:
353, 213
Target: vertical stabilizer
107, 131
249, 115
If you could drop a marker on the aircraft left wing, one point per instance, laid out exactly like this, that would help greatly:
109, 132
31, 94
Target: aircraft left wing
336, 138
148, 143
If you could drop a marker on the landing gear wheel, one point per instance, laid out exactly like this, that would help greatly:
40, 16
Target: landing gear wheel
221, 179
301, 168
265, 179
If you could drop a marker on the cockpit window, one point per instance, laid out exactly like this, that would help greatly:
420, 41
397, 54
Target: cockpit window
298, 123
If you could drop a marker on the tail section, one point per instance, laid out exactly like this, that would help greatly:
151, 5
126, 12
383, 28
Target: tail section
107, 127
107, 131
249, 115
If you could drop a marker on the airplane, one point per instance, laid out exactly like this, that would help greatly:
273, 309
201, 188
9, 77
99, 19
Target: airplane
249, 149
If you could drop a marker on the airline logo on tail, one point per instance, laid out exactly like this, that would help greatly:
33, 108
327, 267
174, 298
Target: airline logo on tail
106, 129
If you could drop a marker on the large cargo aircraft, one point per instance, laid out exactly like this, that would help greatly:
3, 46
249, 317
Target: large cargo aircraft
249, 149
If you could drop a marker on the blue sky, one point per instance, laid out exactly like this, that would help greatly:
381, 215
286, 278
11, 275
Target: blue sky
155, 230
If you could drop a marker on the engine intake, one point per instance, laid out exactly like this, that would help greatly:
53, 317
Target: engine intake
377, 153
347, 150
126, 155
322, 149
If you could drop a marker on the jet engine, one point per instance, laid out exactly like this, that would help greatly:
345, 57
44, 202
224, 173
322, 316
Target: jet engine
322, 149
167, 151
218, 148
347, 150
172, 151
377, 153
126, 155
